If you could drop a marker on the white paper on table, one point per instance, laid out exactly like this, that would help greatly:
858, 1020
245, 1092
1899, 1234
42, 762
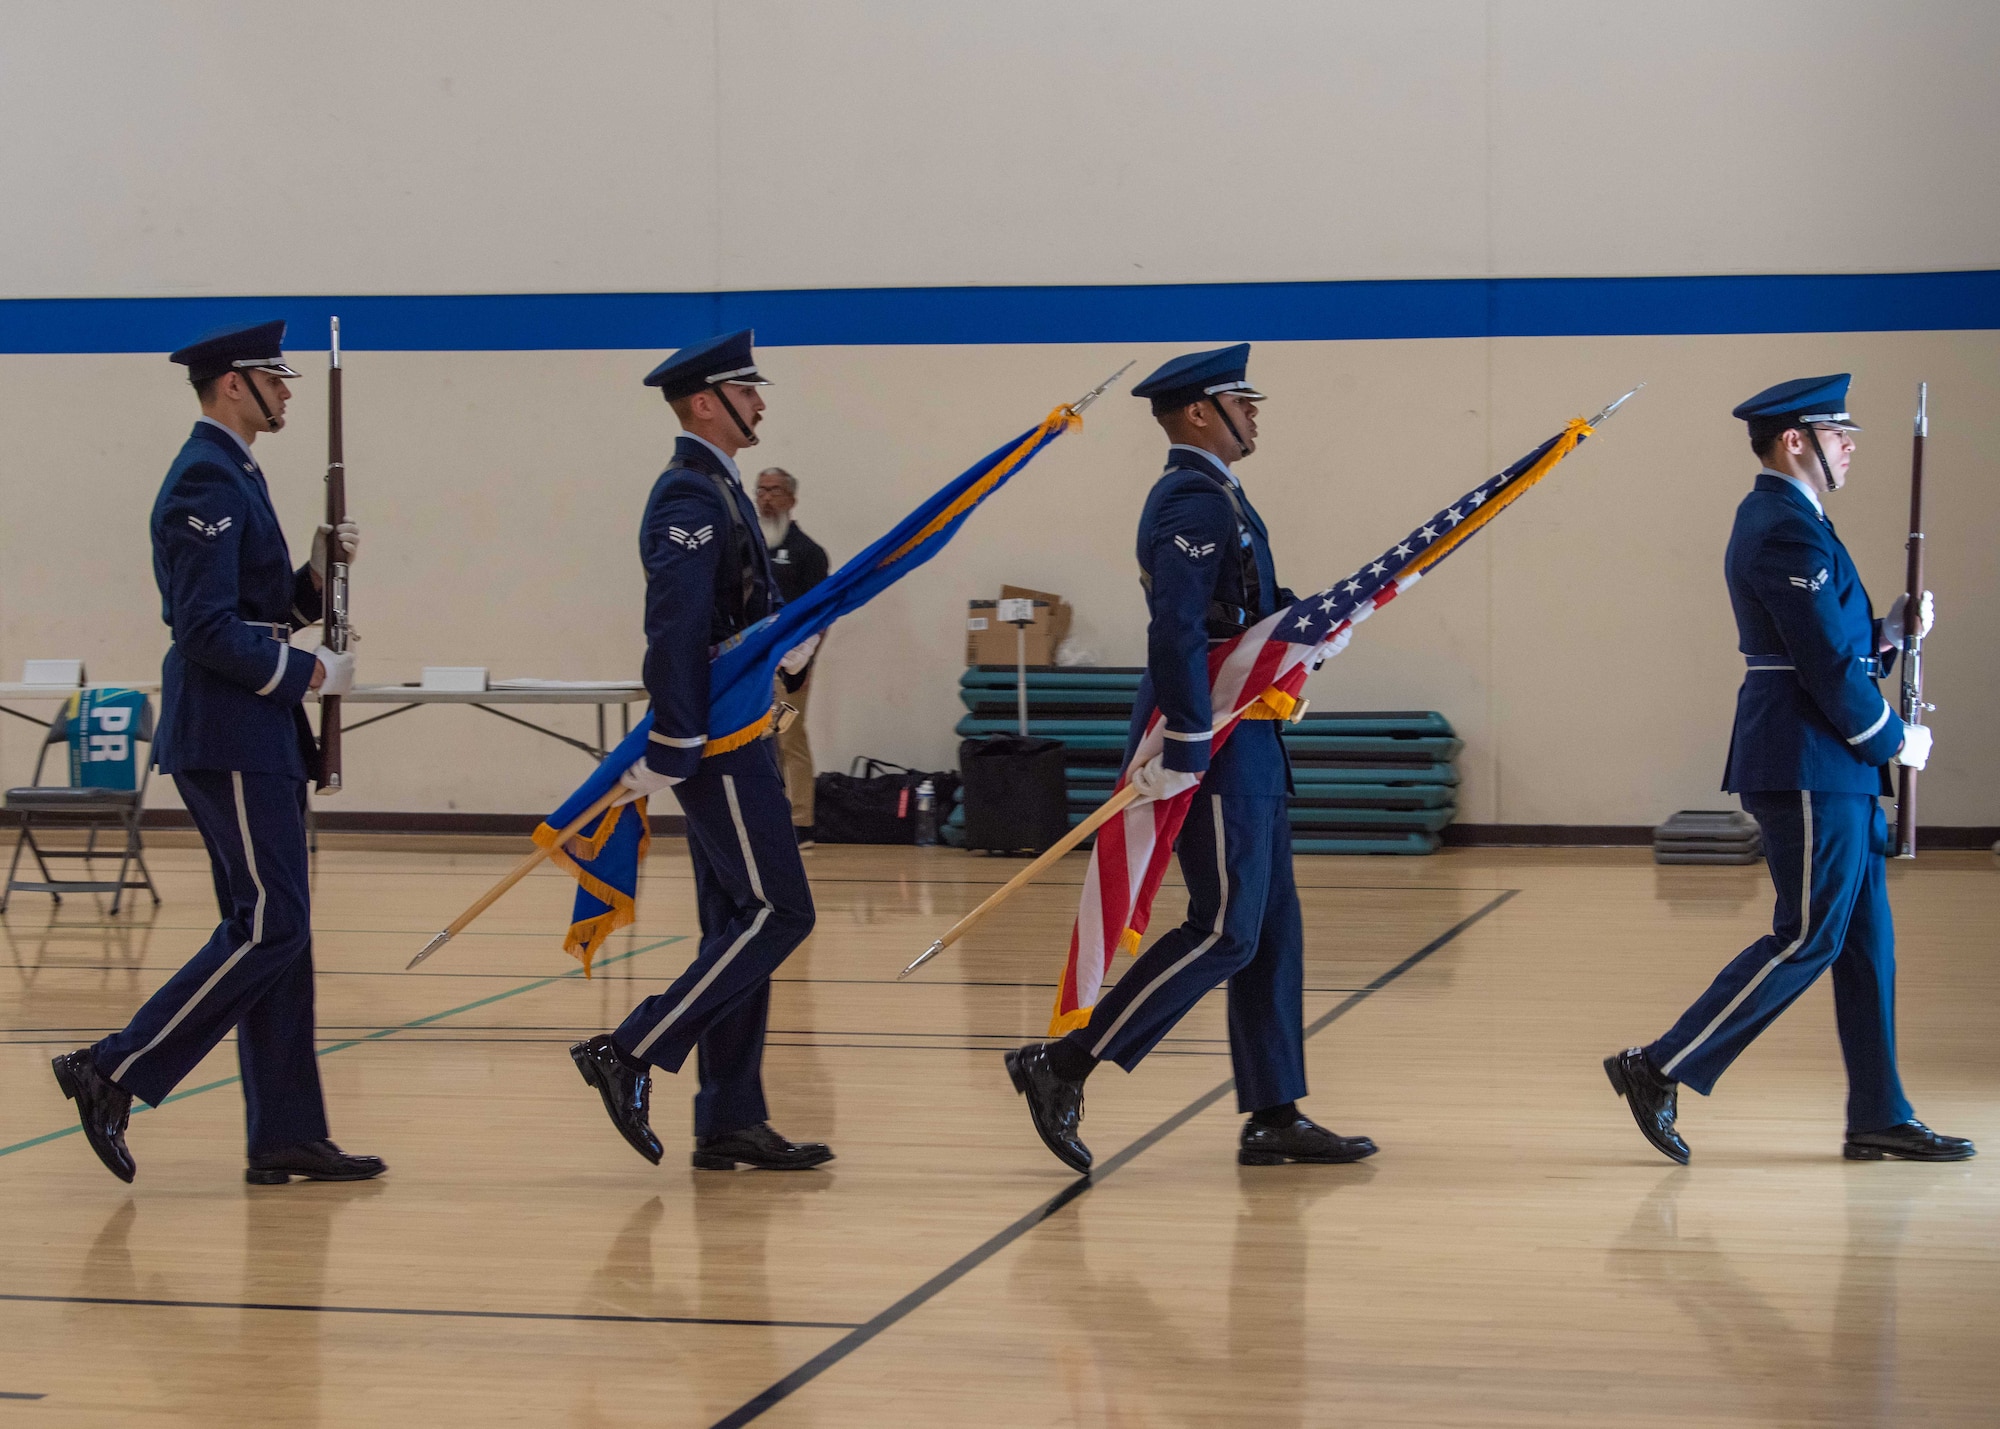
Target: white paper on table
527, 683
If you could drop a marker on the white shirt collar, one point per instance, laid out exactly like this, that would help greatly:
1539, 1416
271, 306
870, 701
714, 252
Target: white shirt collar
1207, 456
241, 445
728, 465
1804, 490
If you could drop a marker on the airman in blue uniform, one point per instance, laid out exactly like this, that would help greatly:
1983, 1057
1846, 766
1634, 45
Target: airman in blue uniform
1810, 755
1205, 564
708, 579
234, 736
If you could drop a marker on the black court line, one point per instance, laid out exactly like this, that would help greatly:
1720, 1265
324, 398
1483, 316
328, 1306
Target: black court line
16, 1394
847, 1344
430, 1314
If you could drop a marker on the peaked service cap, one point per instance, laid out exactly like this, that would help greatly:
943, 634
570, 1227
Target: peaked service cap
1196, 375
1801, 402
705, 364
232, 349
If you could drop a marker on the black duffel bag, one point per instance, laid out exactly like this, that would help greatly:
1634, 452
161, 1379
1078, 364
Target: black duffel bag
1016, 795
876, 803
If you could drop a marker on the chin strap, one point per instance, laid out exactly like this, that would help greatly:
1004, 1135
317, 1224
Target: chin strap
271, 423
1812, 437
1242, 447
722, 396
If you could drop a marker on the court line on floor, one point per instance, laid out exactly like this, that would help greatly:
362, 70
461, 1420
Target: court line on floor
430, 1313
183, 1094
1046, 882
847, 1344
318, 972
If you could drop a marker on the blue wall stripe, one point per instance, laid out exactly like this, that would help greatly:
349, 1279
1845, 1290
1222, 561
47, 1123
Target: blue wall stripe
1473, 307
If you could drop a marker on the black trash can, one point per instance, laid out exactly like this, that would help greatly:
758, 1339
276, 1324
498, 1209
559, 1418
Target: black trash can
1014, 793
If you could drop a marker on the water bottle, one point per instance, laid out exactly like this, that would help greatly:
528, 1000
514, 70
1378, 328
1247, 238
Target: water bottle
927, 830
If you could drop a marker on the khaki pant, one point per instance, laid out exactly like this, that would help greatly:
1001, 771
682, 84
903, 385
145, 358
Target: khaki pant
795, 754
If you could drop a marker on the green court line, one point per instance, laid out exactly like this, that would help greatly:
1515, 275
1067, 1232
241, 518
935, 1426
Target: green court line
186, 1092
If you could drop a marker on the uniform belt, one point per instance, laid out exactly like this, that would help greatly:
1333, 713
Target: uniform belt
1756, 663
280, 632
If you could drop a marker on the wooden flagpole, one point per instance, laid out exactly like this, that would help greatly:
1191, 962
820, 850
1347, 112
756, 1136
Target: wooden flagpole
1061, 846
520, 871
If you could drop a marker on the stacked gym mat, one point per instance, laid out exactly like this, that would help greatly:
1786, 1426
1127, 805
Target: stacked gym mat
1708, 836
1368, 782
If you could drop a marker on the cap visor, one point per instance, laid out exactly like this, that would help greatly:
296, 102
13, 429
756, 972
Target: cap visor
757, 380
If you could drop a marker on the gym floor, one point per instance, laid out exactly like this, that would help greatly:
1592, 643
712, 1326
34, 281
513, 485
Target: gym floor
1516, 1255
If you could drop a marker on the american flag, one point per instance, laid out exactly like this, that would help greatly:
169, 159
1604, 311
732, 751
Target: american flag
1259, 675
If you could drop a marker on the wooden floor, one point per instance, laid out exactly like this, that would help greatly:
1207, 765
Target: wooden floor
1515, 1256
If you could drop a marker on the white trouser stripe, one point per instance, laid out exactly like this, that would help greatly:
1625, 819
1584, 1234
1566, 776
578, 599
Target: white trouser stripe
1221, 912
256, 937
278, 675
1869, 733
756, 924
1805, 928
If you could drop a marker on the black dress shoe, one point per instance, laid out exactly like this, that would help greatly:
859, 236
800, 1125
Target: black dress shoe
312, 1161
626, 1085
1912, 1141
804, 834
761, 1149
104, 1108
1055, 1103
1303, 1140
1653, 1099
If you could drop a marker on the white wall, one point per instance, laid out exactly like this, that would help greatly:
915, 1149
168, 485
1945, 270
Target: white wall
1583, 647
224, 146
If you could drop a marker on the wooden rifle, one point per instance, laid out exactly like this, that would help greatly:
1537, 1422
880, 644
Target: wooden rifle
335, 594
1913, 706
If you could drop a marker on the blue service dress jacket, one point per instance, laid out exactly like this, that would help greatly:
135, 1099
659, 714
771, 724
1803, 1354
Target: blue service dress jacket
232, 691
1809, 714
1204, 575
708, 577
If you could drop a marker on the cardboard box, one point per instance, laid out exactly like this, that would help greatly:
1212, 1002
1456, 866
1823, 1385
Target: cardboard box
990, 641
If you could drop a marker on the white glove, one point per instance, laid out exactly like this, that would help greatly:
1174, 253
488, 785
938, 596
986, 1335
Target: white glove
1892, 624
1323, 653
339, 666
1916, 746
639, 781
1155, 781
799, 655
350, 544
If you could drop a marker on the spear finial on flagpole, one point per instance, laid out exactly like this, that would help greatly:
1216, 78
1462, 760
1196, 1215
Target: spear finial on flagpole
1076, 407
1616, 405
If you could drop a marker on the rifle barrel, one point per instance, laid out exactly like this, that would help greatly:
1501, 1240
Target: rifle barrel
334, 620
1912, 701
